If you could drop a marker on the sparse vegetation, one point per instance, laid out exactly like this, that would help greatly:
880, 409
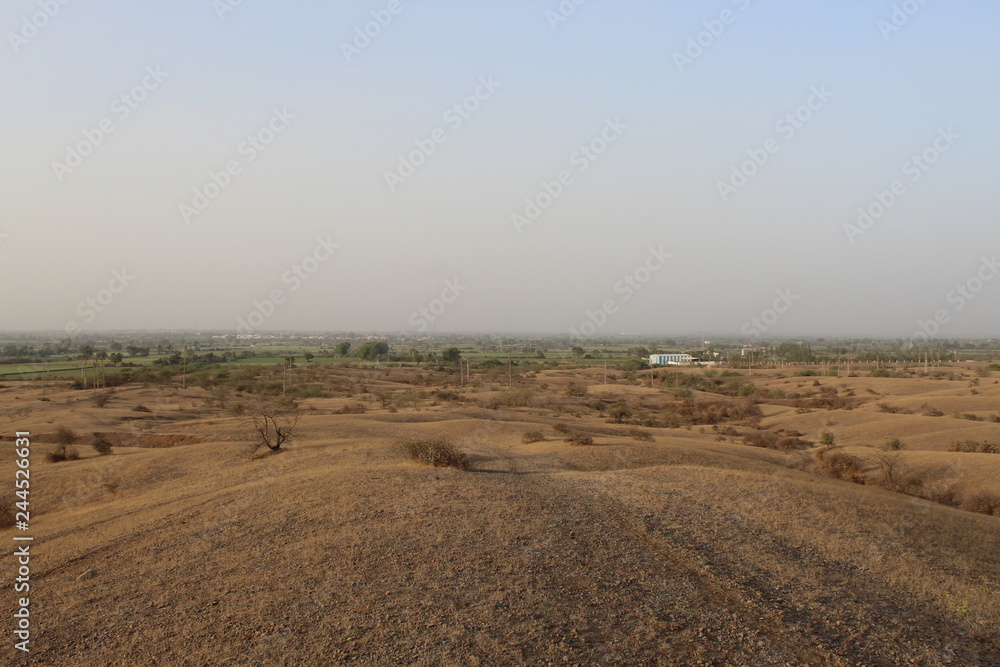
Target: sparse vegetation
893, 409
579, 439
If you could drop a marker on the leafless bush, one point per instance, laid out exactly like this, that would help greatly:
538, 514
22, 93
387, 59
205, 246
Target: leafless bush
271, 422
435, 452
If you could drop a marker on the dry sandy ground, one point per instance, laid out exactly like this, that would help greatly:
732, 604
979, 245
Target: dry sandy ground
682, 551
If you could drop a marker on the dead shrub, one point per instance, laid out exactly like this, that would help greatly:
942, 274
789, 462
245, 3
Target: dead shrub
893, 409
352, 409
519, 398
579, 439
619, 413
983, 502
761, 439
840, 465
101, 445
976, 447
435, 452
561, 428
639, 434
102, 398
532, 436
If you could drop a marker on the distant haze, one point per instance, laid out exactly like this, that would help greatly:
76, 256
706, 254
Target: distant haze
736, 168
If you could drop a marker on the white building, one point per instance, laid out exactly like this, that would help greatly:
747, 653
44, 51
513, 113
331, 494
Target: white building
680, 359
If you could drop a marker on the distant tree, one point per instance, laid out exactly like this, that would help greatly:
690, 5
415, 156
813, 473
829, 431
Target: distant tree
342, 348
372, 350
309, 356
577, 351
451, 355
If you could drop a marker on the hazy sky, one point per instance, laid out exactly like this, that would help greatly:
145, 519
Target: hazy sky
714, 153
